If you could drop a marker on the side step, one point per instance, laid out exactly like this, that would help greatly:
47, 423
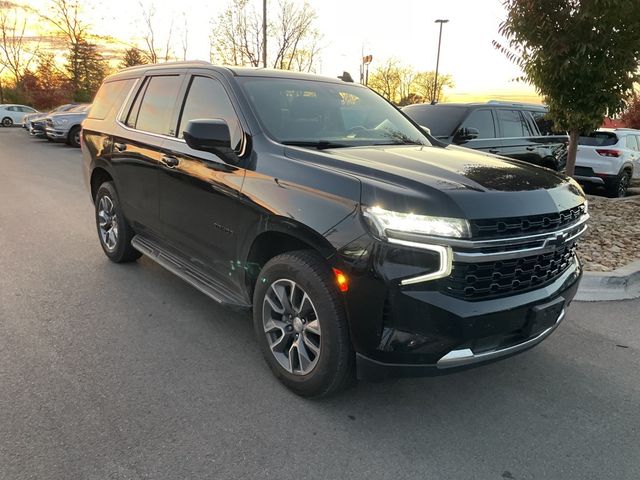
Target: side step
193, 276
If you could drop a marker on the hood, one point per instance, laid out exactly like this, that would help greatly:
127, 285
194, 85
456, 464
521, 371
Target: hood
67, 115
451, 181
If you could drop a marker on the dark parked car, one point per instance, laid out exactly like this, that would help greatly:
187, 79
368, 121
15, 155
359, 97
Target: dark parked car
510, 129
361, 246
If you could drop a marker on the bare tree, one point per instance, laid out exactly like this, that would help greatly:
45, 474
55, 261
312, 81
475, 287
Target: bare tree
16, 52
236, 36
185, 35
152, 51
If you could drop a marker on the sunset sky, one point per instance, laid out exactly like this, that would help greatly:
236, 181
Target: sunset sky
401, 28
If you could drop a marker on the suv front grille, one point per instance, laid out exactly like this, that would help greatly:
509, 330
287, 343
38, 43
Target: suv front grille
506, 227
475, 281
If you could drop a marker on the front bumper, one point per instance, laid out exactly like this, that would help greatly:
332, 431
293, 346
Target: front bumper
36, 130
456, 335
57, 134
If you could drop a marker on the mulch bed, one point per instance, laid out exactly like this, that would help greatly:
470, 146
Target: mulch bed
613, 238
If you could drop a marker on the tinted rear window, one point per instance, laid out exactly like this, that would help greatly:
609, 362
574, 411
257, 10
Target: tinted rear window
110, 95
442, 120
599, 139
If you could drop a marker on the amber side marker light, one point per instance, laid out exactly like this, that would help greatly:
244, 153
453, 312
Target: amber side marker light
341, 280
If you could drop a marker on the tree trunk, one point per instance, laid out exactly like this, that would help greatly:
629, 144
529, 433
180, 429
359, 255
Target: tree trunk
572, 151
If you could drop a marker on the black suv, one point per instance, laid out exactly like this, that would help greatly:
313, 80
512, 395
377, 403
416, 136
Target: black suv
513, 130
361, 246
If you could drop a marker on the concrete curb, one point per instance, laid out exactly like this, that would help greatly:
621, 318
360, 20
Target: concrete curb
621, 284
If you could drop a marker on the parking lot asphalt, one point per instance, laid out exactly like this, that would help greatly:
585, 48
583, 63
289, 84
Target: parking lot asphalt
125, 372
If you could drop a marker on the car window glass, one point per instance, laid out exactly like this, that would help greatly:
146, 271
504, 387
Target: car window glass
598, 139
543, 123
483, 121
156, 108
442, 120
207, 99
511, 123
11, 109
631, 142
110, 95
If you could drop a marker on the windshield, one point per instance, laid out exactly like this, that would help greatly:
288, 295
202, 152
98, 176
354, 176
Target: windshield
323, 114
598, 139
442, 120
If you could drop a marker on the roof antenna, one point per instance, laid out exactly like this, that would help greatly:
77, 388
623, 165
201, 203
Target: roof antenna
346, 77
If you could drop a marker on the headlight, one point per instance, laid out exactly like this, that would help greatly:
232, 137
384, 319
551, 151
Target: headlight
385, 220
60, 123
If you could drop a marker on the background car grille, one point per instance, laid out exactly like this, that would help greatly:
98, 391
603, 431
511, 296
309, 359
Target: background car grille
475, 281
505, 227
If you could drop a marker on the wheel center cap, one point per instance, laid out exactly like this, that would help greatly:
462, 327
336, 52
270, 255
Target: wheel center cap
297, 324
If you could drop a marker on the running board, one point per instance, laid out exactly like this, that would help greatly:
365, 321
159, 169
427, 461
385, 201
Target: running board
187, 272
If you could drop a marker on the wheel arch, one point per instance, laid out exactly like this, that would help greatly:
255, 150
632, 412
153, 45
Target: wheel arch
99, 175
281, 236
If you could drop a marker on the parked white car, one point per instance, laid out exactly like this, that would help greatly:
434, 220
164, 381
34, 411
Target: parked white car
14, 114
609, 157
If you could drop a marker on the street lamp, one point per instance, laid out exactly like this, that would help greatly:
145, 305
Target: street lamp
435, 82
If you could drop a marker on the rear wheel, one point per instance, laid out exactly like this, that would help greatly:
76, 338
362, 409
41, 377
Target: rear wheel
301, 325
618, 188
7, 122
74, 136
114, 232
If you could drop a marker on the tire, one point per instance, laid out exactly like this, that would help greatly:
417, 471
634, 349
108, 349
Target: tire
618, 187
321, 322
7, 122
73, 138
115, 244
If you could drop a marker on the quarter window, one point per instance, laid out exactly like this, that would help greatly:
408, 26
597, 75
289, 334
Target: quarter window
207, 99
483, 121
110, 95
631, 142
156, 106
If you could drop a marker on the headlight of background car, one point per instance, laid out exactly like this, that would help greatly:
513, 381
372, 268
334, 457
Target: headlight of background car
386, 221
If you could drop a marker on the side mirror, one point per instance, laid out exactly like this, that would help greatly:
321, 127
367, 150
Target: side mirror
208, 135
466, 134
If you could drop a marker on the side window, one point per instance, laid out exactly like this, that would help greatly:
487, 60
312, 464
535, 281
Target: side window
207, 98
156, 107
632, 142
110, 96
11, 109
483, 121
543, 123
511, 123
132, 118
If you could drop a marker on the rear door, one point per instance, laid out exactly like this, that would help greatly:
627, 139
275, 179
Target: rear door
515, 132
200, 203
137, 148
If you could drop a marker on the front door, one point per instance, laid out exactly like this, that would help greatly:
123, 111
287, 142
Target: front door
200, 205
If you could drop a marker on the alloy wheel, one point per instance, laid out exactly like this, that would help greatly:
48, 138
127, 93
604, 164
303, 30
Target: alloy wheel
7, 122
623, 185
108, 223
292, 327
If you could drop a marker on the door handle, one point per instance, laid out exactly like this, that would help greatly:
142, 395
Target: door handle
493, 150
170, 161
119, 147
531, 149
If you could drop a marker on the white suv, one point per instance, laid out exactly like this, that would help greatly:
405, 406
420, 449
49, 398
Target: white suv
609, 157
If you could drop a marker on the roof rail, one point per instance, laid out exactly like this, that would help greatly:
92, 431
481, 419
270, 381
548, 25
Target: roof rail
171, 64
514, 104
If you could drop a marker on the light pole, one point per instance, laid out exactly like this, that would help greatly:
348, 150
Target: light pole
264, 33
435, 82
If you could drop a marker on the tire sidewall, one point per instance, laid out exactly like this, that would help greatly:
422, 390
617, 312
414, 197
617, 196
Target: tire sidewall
72, 137
107, 189
330, 313
7, 122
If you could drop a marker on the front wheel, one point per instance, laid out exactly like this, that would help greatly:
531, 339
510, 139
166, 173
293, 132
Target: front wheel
74, 137
114, 232
301, 325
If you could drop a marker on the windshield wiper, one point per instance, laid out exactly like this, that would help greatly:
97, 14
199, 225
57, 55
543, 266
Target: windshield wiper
320, 144
401, 142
